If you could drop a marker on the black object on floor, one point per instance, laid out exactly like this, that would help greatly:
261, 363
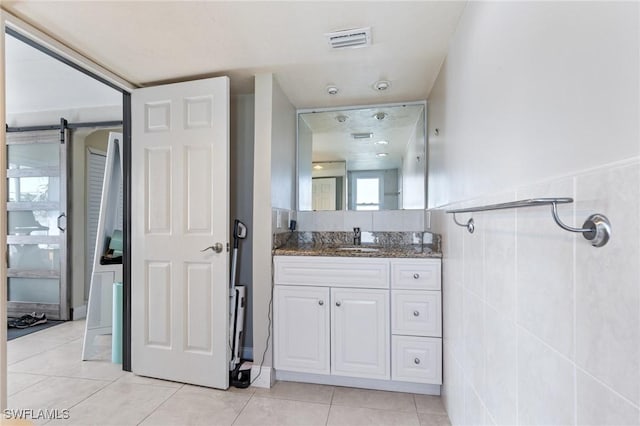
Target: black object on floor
27, 320
12, 333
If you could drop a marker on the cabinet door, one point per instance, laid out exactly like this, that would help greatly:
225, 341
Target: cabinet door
301, 329
360, 333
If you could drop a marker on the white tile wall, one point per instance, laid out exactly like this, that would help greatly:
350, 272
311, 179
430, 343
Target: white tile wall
607, 291
545, 383
345, 221
539, 326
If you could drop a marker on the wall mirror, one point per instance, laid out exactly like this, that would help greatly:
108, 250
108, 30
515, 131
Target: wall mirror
362, 158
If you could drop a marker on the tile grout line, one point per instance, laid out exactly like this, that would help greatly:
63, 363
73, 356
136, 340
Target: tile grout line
88, 396
38, 353
333, 392
578, 368
160, 405
574, 182
235, 419
515, 311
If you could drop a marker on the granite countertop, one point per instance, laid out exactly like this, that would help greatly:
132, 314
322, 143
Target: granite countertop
403, 251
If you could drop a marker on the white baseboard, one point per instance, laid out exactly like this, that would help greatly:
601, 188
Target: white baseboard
355, 382
266, 377
79, 313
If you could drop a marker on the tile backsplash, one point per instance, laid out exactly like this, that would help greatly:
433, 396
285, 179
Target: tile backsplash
539, 326
378, 221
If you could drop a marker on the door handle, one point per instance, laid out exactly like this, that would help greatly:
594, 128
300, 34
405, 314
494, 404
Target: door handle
58, 222
217, 247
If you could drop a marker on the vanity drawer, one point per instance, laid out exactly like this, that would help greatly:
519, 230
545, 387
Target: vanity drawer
416, 313
416, 359
415, 275
332, 271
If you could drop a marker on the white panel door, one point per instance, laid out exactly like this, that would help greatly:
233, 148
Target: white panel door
360, 333
180, 201
324, 193
301, 329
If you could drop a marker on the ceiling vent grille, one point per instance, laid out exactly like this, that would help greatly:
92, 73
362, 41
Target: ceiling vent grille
363, 135
358, 37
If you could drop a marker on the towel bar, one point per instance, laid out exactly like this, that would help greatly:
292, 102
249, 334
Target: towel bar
596, 228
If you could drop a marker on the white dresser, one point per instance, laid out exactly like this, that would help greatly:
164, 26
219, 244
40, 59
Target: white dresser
359, 321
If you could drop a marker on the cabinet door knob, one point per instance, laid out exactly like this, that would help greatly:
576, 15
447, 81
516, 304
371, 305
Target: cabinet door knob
338, 303
416, 276
416, 361
320, 302
416, 313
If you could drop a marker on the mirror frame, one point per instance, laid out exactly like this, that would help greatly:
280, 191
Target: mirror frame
355, 107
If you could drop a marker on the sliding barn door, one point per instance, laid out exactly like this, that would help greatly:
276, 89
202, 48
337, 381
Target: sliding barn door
37, 223
180, 227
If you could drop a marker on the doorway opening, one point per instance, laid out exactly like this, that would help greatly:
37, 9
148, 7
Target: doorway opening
58, 117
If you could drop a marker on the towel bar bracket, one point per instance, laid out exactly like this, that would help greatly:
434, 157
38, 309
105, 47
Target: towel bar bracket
596, 228
470, 225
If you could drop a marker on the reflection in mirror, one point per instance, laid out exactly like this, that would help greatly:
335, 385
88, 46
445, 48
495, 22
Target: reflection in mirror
368, 158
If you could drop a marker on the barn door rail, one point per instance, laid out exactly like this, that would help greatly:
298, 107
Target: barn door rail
596, 229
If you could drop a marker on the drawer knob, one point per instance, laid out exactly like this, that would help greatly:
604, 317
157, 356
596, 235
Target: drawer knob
320, 302
338, 303
416, 276
416, 313
416, 361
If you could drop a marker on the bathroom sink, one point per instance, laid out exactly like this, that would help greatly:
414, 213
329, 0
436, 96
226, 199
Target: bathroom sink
358, 249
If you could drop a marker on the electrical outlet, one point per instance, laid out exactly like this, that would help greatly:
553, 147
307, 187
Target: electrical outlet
427, 220
279, 219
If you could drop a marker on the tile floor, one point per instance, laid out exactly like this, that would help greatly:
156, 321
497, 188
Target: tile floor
45, 372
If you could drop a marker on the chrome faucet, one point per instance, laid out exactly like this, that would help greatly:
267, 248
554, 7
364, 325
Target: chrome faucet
356, 236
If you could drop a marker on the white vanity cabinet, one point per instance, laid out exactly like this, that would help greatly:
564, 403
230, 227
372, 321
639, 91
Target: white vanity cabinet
363, 322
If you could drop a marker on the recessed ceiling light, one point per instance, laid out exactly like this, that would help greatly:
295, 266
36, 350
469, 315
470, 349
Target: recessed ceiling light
380, 115
381, 85
318, 167
341, 118
382, 143
381, 154
332, 90
363, 135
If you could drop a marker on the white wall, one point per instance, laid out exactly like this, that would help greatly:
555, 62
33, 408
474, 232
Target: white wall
283, 155
273, 186
72, 115
537, 88
540, 99
80, 141
241, 199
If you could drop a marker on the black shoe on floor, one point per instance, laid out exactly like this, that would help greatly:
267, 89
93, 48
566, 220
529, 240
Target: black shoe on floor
28, 320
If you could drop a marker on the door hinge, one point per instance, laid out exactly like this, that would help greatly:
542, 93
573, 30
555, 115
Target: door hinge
228, 247
63, 127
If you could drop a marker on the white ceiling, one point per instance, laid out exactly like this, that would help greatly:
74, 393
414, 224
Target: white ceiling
147, 42
333, 141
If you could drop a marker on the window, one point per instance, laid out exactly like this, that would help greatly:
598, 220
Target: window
366, 191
